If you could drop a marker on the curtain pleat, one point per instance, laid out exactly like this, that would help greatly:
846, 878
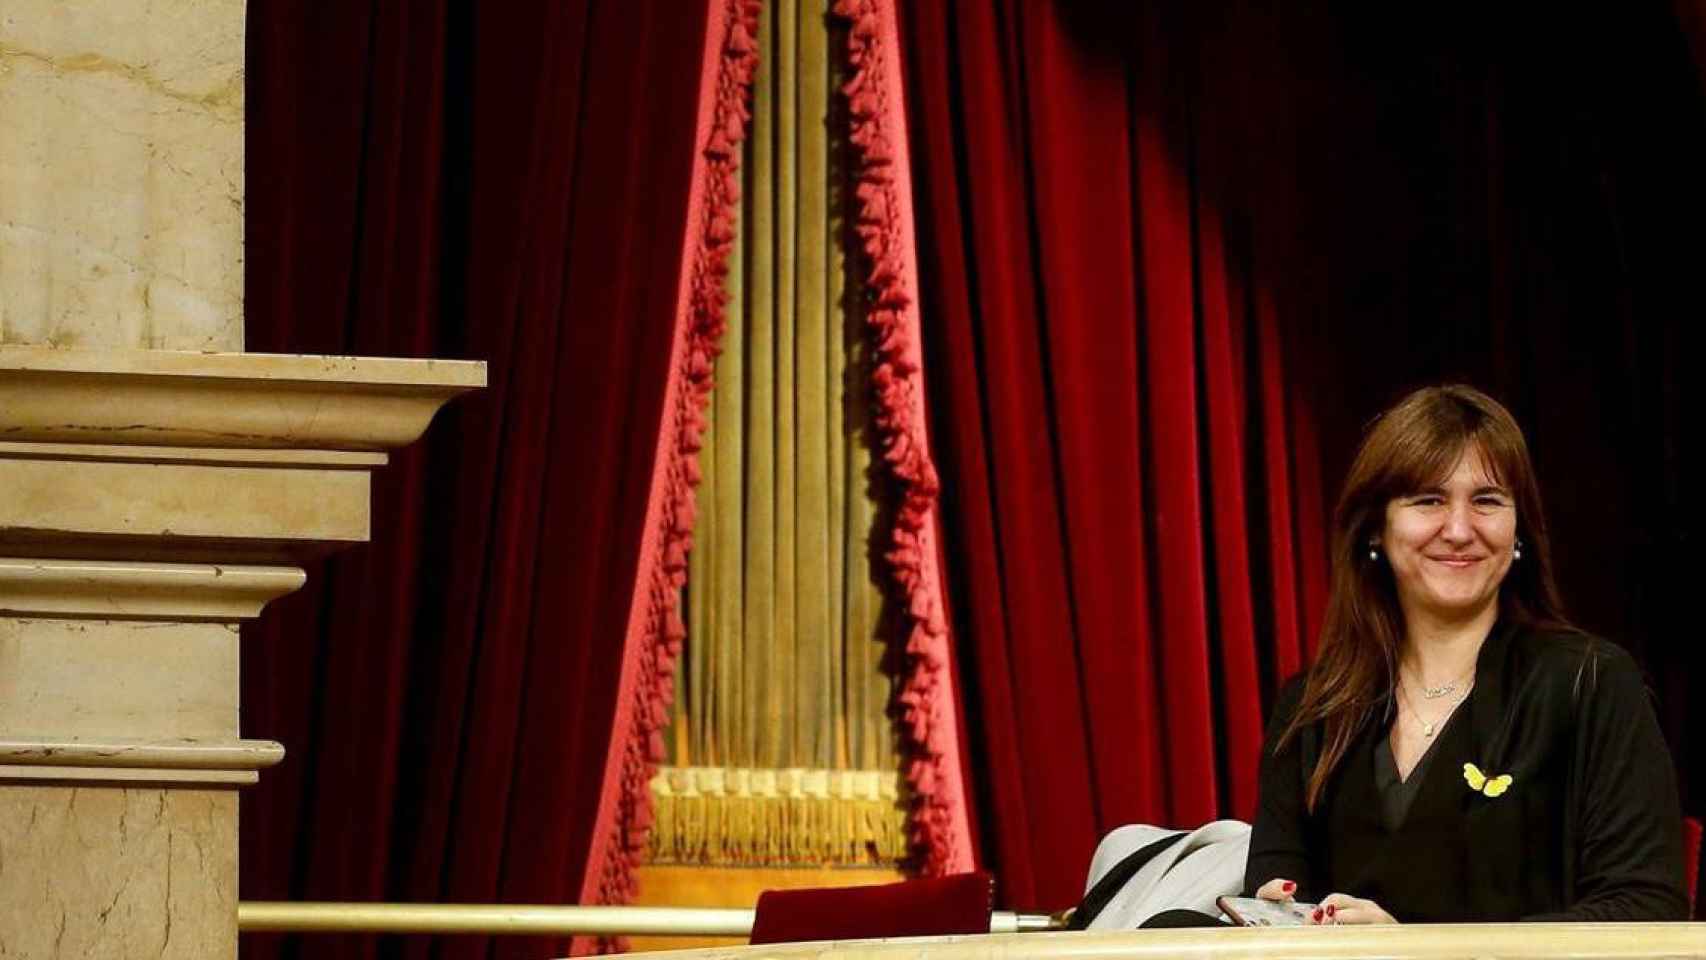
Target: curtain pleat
1125, 511
814, 728
782, 750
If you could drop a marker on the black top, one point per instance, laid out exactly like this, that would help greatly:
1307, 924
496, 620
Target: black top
1397, 793
1588, 829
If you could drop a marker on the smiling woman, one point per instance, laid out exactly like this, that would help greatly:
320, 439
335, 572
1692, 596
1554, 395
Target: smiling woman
1451, 544
1459, 751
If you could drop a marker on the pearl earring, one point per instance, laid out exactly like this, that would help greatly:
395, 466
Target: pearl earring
1516, 552
1373, 553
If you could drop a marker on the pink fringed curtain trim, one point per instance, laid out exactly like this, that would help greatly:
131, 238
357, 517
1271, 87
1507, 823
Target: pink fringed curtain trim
655, 628
940, 829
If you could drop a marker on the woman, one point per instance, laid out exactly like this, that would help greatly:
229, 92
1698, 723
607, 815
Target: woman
1459, 752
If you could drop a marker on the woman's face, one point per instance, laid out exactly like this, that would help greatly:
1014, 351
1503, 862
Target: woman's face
1450, 546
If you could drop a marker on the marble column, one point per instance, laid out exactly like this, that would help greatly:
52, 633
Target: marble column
154, 500
157, 487
121, 173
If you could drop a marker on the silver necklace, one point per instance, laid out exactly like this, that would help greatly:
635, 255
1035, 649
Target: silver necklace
1444, 689
1430, 727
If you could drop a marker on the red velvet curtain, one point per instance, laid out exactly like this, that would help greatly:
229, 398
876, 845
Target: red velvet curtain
1131, 507
1174, 256
498, 181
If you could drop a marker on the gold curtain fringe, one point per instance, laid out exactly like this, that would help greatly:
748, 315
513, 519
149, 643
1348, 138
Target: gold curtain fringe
718, 816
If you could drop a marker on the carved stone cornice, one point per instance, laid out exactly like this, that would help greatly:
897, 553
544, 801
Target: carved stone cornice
122, 590
128, 455
151, 501
240, 400
114, 760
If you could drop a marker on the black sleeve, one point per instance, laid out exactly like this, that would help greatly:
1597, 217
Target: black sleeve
1277, 845
1628, 842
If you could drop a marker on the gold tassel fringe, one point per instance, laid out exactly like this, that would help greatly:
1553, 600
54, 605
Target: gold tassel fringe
717, 816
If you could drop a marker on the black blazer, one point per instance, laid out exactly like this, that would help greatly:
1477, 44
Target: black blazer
1589, 829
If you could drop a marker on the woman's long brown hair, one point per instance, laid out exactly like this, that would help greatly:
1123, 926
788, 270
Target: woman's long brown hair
1412, 446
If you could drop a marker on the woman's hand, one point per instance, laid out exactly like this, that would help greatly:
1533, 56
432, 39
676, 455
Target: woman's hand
1341, 908
1279, 890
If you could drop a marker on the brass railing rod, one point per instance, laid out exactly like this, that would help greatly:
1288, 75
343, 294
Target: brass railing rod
490, 919
263, 916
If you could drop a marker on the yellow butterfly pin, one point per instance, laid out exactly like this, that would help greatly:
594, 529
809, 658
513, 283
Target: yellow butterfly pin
1481, 783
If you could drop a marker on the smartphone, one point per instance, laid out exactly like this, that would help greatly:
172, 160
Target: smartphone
1256, 912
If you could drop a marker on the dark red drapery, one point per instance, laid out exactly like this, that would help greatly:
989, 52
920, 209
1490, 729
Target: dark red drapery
497, 181
1131, 511
1175, 255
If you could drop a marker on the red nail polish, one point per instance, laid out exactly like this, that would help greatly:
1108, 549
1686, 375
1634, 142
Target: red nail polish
1330, 909
1289, 886
1317, 913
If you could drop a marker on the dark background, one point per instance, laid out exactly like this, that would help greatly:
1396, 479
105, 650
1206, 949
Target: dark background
1515, 200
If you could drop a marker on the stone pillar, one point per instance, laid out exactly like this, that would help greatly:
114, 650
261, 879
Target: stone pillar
150, 499
121, 173
153, 500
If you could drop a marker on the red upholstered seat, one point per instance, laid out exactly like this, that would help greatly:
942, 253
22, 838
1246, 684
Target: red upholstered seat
1691, 830
916, 908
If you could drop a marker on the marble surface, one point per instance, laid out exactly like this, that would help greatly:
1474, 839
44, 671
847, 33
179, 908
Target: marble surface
1517, 941
115, 760
263, 510
108, 872
213, 456
348, 371
175, 591
229, 400
121, 173
87, 679
182, 752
